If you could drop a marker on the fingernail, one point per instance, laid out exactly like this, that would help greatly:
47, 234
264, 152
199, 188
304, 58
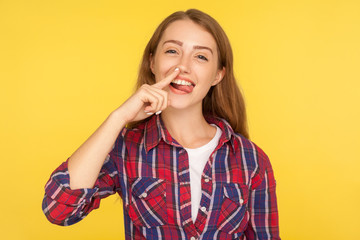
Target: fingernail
148, 112
158, 112
176, 69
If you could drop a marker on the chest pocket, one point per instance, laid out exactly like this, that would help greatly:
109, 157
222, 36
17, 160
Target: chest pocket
147, 205
233, 216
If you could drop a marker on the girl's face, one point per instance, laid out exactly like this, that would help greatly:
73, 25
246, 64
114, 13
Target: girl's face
193, 50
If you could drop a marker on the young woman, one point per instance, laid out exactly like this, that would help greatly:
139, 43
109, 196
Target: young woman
177, 151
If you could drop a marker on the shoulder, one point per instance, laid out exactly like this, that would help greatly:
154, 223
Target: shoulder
248, 156
238, 141
254, 156
133, 134
246, 145
128, 136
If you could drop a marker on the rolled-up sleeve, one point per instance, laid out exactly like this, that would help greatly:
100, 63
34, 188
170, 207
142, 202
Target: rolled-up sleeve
64, 206
264, 223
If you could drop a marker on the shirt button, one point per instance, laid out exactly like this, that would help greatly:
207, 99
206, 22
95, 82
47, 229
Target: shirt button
192, 238
144, 195
241, 201
203, 209
206, 180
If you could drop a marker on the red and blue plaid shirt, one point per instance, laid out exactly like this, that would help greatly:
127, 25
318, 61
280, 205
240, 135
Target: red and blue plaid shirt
150, 171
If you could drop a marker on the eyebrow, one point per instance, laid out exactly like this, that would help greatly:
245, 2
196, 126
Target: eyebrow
195, 47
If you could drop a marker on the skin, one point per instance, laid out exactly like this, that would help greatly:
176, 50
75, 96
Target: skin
185, 50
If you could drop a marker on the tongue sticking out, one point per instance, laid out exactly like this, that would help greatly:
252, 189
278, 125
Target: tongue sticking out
186, 89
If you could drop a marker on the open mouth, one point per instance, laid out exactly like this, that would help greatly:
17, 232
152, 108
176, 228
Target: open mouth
182, 86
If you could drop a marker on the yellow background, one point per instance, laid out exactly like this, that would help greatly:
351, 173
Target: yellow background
65, 65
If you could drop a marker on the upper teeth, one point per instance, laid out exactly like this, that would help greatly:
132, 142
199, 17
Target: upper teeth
181, 82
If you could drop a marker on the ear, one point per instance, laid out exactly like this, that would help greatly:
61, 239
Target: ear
219, 76
151, 63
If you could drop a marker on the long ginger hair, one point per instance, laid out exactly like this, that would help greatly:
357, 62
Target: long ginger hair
223, 100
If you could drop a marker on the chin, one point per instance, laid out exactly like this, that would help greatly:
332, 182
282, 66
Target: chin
180, 104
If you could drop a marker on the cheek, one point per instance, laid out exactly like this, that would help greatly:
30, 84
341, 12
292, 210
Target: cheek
163, 68
207, 74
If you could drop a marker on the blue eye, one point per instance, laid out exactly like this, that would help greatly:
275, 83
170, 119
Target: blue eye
172, 51
202, 57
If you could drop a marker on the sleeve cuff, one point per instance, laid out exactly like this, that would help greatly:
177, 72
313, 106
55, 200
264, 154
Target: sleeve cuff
58, 188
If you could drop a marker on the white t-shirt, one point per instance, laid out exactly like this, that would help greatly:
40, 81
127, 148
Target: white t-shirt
198, 158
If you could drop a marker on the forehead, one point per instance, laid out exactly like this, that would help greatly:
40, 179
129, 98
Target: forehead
189, 33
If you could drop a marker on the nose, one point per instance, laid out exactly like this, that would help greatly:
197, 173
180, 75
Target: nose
184, 64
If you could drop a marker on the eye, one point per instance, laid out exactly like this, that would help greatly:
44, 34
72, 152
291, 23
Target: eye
202, 57
171, 51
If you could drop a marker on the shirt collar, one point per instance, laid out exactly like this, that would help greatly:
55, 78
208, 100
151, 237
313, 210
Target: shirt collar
155, 130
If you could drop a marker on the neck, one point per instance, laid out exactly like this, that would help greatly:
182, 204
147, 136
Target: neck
188, 127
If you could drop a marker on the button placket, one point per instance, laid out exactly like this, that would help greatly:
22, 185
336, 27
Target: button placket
184, 192
207, 185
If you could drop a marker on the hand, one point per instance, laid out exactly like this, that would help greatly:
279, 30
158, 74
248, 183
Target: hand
147, 100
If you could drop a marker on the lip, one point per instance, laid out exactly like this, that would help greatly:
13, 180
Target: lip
185, 79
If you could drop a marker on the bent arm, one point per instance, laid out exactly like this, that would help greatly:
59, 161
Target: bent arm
76, 187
